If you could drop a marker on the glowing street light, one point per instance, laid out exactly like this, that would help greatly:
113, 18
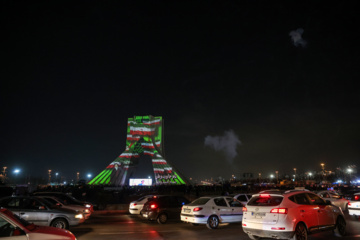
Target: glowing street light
17, 171
277, 176
49, 171
295, 174
89, 175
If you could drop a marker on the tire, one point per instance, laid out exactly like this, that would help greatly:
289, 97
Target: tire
162, 218
212, 222
340, 227
253, 237
300, 232
60, 223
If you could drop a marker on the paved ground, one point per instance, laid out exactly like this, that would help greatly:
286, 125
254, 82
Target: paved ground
109, 225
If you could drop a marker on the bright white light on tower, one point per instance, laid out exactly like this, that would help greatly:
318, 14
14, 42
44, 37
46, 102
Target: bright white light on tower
89, 175
16, 171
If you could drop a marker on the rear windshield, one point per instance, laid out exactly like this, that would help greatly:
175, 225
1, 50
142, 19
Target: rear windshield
355, 198
199, 201
265, 200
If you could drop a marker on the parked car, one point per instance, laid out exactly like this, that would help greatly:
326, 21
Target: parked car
67, 199
335, 199
354, 205
136, 206
13, 227
291, 214
164, 207
243, 197
60, 203
40, 212
212, 211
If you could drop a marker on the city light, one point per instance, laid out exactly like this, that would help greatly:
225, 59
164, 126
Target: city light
89, 175
16, 171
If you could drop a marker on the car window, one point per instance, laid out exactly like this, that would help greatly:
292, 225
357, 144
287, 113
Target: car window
233, 202
242, 198
220, 202
315, 199
29, 203
51, 200
324, 194
249, 196
199, 201
11, 203
265, 200
6, 228
300, 199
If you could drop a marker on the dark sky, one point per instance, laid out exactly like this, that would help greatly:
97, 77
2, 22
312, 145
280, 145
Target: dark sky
74, 71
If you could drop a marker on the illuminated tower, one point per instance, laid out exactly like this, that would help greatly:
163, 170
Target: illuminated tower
144, 138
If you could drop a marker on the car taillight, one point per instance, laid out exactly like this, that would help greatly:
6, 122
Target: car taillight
153, 206
357, 197
197, 209
244, 209
279, 210
134, 204
349, 205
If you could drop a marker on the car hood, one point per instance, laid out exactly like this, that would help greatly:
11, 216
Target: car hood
52, 230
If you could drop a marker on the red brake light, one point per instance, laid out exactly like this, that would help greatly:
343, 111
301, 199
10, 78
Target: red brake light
153, 206
356, 197
264, 195
197, 209
279, 210
244, 209
134, 204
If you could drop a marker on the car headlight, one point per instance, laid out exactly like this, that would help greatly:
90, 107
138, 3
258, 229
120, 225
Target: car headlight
80, 216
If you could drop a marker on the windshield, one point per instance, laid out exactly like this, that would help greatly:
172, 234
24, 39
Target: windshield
199, 201
265, 200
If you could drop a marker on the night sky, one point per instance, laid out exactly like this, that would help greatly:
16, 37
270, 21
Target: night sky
243, 86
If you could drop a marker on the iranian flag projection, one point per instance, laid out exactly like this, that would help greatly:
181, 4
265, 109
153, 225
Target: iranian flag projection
144, 138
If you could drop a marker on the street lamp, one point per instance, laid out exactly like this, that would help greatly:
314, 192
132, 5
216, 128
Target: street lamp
349, 171
49, 175
295, 175
4, 171
277, 176
89, 175
259, 177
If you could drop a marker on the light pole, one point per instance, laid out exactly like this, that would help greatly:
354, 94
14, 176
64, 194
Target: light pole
4, 171
277, 177
323, 170
259, 177
16, 172
49, 171
77, 177
349, 171
295, 175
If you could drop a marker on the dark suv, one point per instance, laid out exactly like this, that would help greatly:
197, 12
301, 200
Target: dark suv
163, 207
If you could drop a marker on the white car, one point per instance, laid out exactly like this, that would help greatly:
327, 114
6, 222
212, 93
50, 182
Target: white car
60, 203
13, 227
354, 205
335, 199
212, 211
136, 206
243, 197
291, 214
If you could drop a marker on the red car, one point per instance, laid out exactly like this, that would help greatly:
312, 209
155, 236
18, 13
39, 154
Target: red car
13, 227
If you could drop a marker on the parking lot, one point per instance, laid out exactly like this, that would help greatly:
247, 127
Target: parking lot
110, 225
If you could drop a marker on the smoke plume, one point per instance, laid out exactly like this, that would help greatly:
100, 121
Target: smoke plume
226, 143
296, 37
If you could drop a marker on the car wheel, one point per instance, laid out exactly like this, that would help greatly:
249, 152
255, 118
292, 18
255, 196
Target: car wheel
162, 218
340, 226
253, 237
213, 222
60, 223
300, 232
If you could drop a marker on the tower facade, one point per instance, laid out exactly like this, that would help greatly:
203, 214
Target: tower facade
144, 138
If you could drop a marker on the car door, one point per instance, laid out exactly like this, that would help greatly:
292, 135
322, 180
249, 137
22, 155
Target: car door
306, 210
222, 209
325, 212
236, 209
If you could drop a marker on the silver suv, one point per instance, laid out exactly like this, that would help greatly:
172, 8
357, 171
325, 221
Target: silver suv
40, 212
290, 215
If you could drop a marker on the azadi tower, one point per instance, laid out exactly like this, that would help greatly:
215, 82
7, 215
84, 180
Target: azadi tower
144, 138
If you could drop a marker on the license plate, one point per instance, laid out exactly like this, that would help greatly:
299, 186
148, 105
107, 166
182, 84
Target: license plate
187, 210
259, 215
